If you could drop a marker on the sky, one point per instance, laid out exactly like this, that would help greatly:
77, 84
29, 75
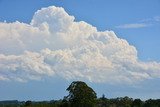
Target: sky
111, 45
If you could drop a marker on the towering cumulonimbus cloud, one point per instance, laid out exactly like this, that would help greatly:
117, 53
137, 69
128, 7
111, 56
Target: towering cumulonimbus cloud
54, 44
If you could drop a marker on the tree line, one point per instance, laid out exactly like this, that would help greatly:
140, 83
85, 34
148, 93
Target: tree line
81, 95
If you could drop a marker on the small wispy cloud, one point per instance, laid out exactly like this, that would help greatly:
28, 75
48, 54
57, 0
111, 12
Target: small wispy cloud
141, 23
133, 25
157, 18
153, 19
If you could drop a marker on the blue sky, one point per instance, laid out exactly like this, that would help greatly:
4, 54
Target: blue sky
137, 21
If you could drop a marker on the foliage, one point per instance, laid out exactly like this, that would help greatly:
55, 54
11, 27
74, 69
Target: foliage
81, 95
137, 103
28, 103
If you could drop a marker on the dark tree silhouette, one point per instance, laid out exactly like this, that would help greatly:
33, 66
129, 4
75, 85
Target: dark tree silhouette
28, 103
137, 103
81, 95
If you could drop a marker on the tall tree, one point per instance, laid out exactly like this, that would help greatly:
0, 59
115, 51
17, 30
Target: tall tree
81, 95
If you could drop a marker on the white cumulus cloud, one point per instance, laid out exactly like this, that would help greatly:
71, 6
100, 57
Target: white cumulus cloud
55, 44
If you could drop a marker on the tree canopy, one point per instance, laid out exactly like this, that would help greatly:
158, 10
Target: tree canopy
81, 95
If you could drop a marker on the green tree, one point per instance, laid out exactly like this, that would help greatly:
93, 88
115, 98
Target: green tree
126, 101
103, 101
152, 103
28, 103
137, 103
81, 95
